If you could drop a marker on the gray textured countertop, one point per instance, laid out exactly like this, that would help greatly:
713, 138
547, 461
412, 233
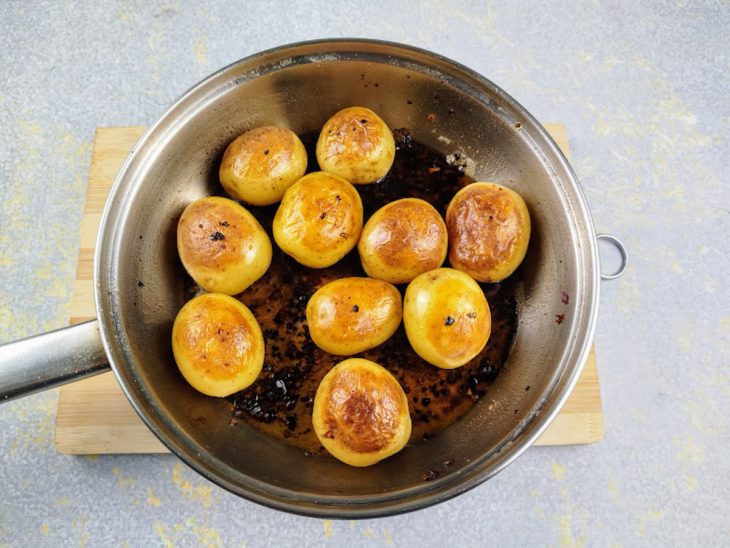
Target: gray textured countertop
643, 88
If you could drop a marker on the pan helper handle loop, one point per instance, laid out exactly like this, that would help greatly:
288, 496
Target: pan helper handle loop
618, 244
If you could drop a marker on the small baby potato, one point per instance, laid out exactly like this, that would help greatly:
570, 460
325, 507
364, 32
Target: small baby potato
489, 229
217, 344
259, 165
351, 315
447, 318
319, 220
222, 246
361, 413
357, 145
402, 240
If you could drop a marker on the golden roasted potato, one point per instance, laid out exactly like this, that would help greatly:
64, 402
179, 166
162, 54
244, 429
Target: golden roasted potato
361, 413
402, 240
259, 165
357, 145
489, 229
217, 344
351, 315
447, 318
222, 246
319, 220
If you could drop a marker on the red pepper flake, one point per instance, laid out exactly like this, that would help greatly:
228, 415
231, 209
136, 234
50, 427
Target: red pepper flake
434, 169
431, 117
559, 318
564, 297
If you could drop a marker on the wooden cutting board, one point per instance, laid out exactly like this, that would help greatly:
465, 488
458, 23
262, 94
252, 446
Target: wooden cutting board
94, 416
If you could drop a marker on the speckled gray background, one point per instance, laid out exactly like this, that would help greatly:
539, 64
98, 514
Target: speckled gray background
644, 90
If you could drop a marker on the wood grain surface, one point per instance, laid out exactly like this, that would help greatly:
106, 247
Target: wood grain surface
94, 416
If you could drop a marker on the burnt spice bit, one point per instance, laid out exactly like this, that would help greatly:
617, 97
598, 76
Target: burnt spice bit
323, 215
223, 223
452, 376
449, 321
216, 236
559, 318
355, 308
266, 151
429, 475
140, 283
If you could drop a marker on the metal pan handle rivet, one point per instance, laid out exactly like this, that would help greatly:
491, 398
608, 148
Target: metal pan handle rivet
618, 244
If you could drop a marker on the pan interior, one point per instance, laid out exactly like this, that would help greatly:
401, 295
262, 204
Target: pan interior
449, 109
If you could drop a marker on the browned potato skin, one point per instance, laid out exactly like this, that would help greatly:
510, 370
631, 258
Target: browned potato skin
319, 220
259, 165
489, 230
402, 240
357, 145
222, 246
360, 413
447, 317
351, 315
217, 344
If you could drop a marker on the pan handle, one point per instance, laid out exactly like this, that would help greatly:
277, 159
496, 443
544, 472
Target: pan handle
51, 359
618, 244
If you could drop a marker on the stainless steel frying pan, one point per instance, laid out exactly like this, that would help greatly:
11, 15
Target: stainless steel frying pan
451, 109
